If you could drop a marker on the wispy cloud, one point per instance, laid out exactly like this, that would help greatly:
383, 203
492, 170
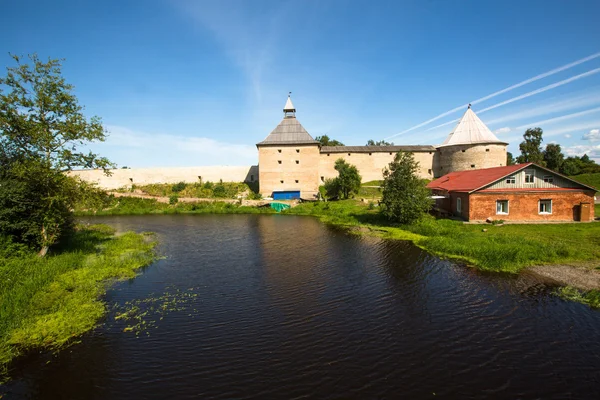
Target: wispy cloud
500, 131
505, 90
592, 136
559, 119
568, 136
141, 149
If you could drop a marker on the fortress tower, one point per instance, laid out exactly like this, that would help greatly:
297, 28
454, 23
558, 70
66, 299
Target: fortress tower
288, 159
471, 145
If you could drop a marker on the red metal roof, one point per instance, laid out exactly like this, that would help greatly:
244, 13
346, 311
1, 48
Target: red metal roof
467, 181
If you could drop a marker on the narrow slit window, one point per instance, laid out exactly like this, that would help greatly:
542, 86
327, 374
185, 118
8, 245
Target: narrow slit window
279, 150
297, 161
297, 181
297, 150
278, 161
472, 165
322, 179
281, 181
487, 149
463, 151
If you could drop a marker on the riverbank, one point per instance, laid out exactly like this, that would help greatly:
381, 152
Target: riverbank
46, 303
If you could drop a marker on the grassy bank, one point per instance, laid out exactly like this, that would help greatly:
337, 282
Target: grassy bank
507, 248
139, 206
47, 302
588, 179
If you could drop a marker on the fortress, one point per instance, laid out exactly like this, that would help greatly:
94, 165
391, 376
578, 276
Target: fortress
292, 164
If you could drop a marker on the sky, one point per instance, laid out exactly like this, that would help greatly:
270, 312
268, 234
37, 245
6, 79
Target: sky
193, 83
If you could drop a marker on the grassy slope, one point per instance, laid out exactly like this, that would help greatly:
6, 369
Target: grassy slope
588, 179
46, 302
502, 248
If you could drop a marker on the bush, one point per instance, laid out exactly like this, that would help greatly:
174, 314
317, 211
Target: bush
173, 199
219, 191
255, 196
178, 187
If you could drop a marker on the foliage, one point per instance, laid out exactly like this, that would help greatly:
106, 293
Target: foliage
371, 142
326, 141
405, 197
510, 160
254, 196
41, 127
47, 302
579, 165
531, 150
553, 156
346, 184
178, 187
173, 199
198, 190
590, 297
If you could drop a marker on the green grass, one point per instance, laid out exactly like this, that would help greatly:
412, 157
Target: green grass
370, 192
597, 211
228, 190
591, 297
46, 303
507, 248
589, 179
139, 206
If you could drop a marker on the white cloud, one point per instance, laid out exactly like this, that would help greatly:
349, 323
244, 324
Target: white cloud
593, 151
140, 149
592, 136
500, 131
568, 135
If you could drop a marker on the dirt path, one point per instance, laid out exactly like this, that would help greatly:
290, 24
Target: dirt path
581, 276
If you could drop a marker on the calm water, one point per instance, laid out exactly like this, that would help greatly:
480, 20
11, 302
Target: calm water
288, 308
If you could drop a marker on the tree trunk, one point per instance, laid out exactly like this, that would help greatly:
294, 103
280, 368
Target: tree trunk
44, 248
43, 251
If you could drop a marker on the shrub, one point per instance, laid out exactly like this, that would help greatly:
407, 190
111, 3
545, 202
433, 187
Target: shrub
173, 199
178, 187
219, 191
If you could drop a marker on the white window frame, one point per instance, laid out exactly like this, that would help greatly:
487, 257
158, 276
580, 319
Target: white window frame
498, 202
529, 172
549, 178
511, 180
459, 205
540, 207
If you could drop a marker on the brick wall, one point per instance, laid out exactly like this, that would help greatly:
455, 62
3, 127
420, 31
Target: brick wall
525, 206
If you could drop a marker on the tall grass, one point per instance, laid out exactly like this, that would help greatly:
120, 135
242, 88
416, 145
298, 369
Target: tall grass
47, 302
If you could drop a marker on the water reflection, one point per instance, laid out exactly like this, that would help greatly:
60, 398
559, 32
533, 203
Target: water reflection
288, 307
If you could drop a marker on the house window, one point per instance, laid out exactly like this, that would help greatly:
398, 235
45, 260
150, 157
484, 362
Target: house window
297, 150
458, 204
511, 179
501, 206
529, 177
545, 207
297, 161
548, 178
279, 161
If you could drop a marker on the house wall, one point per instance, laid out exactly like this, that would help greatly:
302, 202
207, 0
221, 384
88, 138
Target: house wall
524, 206
298, 163
470, 156
371, 165
145, 176
538, 181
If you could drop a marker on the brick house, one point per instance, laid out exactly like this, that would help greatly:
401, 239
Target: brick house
524, 192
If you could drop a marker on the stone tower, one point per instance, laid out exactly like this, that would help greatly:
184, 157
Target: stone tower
471, 145
288, 159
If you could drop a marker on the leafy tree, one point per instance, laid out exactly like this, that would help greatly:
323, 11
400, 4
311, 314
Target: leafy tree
571, 166
41, 127
347, 182
405, 197
531, 150
509, 158
326, 141
553, 156
379, 143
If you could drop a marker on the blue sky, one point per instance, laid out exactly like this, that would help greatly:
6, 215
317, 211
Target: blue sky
190, 83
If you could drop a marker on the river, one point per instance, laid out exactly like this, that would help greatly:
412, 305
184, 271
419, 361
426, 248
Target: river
286, 307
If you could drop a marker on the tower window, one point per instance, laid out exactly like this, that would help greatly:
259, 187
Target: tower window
251, 178
279, 150
390, 153
328, 154
348, 153
297, 150
429, 171
281, 181
296, 180
322, 179
463, 151
472, 165
487, 149
369, 153
278, 161
297, 161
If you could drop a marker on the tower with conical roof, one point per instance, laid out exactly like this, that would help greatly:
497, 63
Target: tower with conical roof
470, 145
288, 159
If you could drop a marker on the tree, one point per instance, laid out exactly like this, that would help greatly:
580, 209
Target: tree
531, 150
379, 143
510, 159
405, 197
553, 156
326, 141
41, 127
347, 182
571, 166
